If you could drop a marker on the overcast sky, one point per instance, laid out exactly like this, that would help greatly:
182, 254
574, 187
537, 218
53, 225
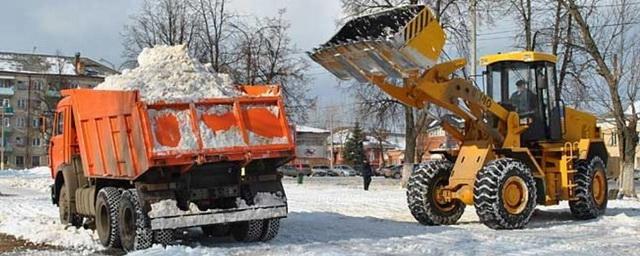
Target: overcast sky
93, 28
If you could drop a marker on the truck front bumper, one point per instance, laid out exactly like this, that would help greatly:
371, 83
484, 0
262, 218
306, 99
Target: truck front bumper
194, 219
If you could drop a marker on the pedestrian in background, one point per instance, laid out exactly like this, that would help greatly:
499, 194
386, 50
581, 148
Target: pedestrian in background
366, 174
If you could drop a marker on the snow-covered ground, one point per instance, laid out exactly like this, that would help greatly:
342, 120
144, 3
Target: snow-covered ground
334, 216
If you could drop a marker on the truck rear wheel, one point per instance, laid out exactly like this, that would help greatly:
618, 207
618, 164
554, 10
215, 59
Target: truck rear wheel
67, 217
591, 189
270, 229
135, 231
505, 194
247, 231
107, 216
423, 196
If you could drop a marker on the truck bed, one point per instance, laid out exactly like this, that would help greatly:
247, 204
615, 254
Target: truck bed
121, 137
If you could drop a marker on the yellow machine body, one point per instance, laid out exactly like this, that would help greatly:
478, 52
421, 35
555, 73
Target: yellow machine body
492, 128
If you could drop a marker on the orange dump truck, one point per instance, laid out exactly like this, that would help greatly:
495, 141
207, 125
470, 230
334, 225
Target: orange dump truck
138, 171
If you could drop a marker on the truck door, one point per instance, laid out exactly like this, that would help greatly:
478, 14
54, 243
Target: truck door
57, 145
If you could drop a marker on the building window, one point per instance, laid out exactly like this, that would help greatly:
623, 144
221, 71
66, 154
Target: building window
19, 161
20, 123
35, 142
19, 141
35, 122
6, 122
6, 83
22, 103
38, 85
35, 161
613, 140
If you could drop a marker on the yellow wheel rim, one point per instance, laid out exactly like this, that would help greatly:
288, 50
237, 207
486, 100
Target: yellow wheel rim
599, 187
439, 200
515, 195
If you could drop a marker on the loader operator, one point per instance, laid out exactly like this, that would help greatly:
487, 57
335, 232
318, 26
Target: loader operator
523, 99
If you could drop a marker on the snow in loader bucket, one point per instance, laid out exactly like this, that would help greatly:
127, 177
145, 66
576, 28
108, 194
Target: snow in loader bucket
393, 42
165, 214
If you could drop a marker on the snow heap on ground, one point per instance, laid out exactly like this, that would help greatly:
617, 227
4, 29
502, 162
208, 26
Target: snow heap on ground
167, 73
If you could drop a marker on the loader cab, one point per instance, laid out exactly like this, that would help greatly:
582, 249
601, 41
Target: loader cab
525, 82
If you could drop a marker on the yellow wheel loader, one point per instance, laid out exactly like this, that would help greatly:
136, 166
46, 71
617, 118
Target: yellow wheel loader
520, 146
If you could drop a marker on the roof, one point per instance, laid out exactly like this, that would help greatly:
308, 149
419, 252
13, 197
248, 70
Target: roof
307, 129
523, 56
340, 137
50, 65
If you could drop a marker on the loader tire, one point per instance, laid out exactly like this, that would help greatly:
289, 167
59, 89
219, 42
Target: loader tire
107, 216
422, 192
591, 189
164, 237
216, 230
135, 228
247, 231
270, 229
505, 194
67, 217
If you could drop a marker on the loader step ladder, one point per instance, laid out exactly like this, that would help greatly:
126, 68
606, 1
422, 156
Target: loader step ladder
569, 157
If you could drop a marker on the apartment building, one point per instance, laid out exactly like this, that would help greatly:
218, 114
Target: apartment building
30, 87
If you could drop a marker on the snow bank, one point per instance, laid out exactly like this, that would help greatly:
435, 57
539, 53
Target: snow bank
26, 212
167, 73
38, 178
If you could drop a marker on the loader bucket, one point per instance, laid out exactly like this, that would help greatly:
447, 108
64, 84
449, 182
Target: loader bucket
392, 43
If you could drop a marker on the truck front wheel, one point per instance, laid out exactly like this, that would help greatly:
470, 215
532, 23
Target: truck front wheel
67, 217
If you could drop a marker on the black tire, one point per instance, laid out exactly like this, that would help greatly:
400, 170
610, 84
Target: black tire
164, 237
107, 216
216, 230
135, 230
421, 193
492, 207
67, 217
590, 203
247, 231
270, 229
397, 175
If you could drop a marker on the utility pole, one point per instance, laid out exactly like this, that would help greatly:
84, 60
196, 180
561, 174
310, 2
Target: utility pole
4, 108
474, 34
331, 140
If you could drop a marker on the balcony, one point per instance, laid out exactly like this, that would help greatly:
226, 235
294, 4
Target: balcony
6, 91
8, 148
8, 111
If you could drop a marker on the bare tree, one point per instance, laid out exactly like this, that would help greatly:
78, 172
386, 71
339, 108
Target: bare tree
168, 22
267, 56
215, 33
604, 42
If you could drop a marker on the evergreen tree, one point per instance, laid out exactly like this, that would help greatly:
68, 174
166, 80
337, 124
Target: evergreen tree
353, 151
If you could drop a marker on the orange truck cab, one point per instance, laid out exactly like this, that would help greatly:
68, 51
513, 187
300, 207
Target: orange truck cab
139, 171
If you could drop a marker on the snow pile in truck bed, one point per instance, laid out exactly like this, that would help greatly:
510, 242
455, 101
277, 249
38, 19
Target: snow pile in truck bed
167, 73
